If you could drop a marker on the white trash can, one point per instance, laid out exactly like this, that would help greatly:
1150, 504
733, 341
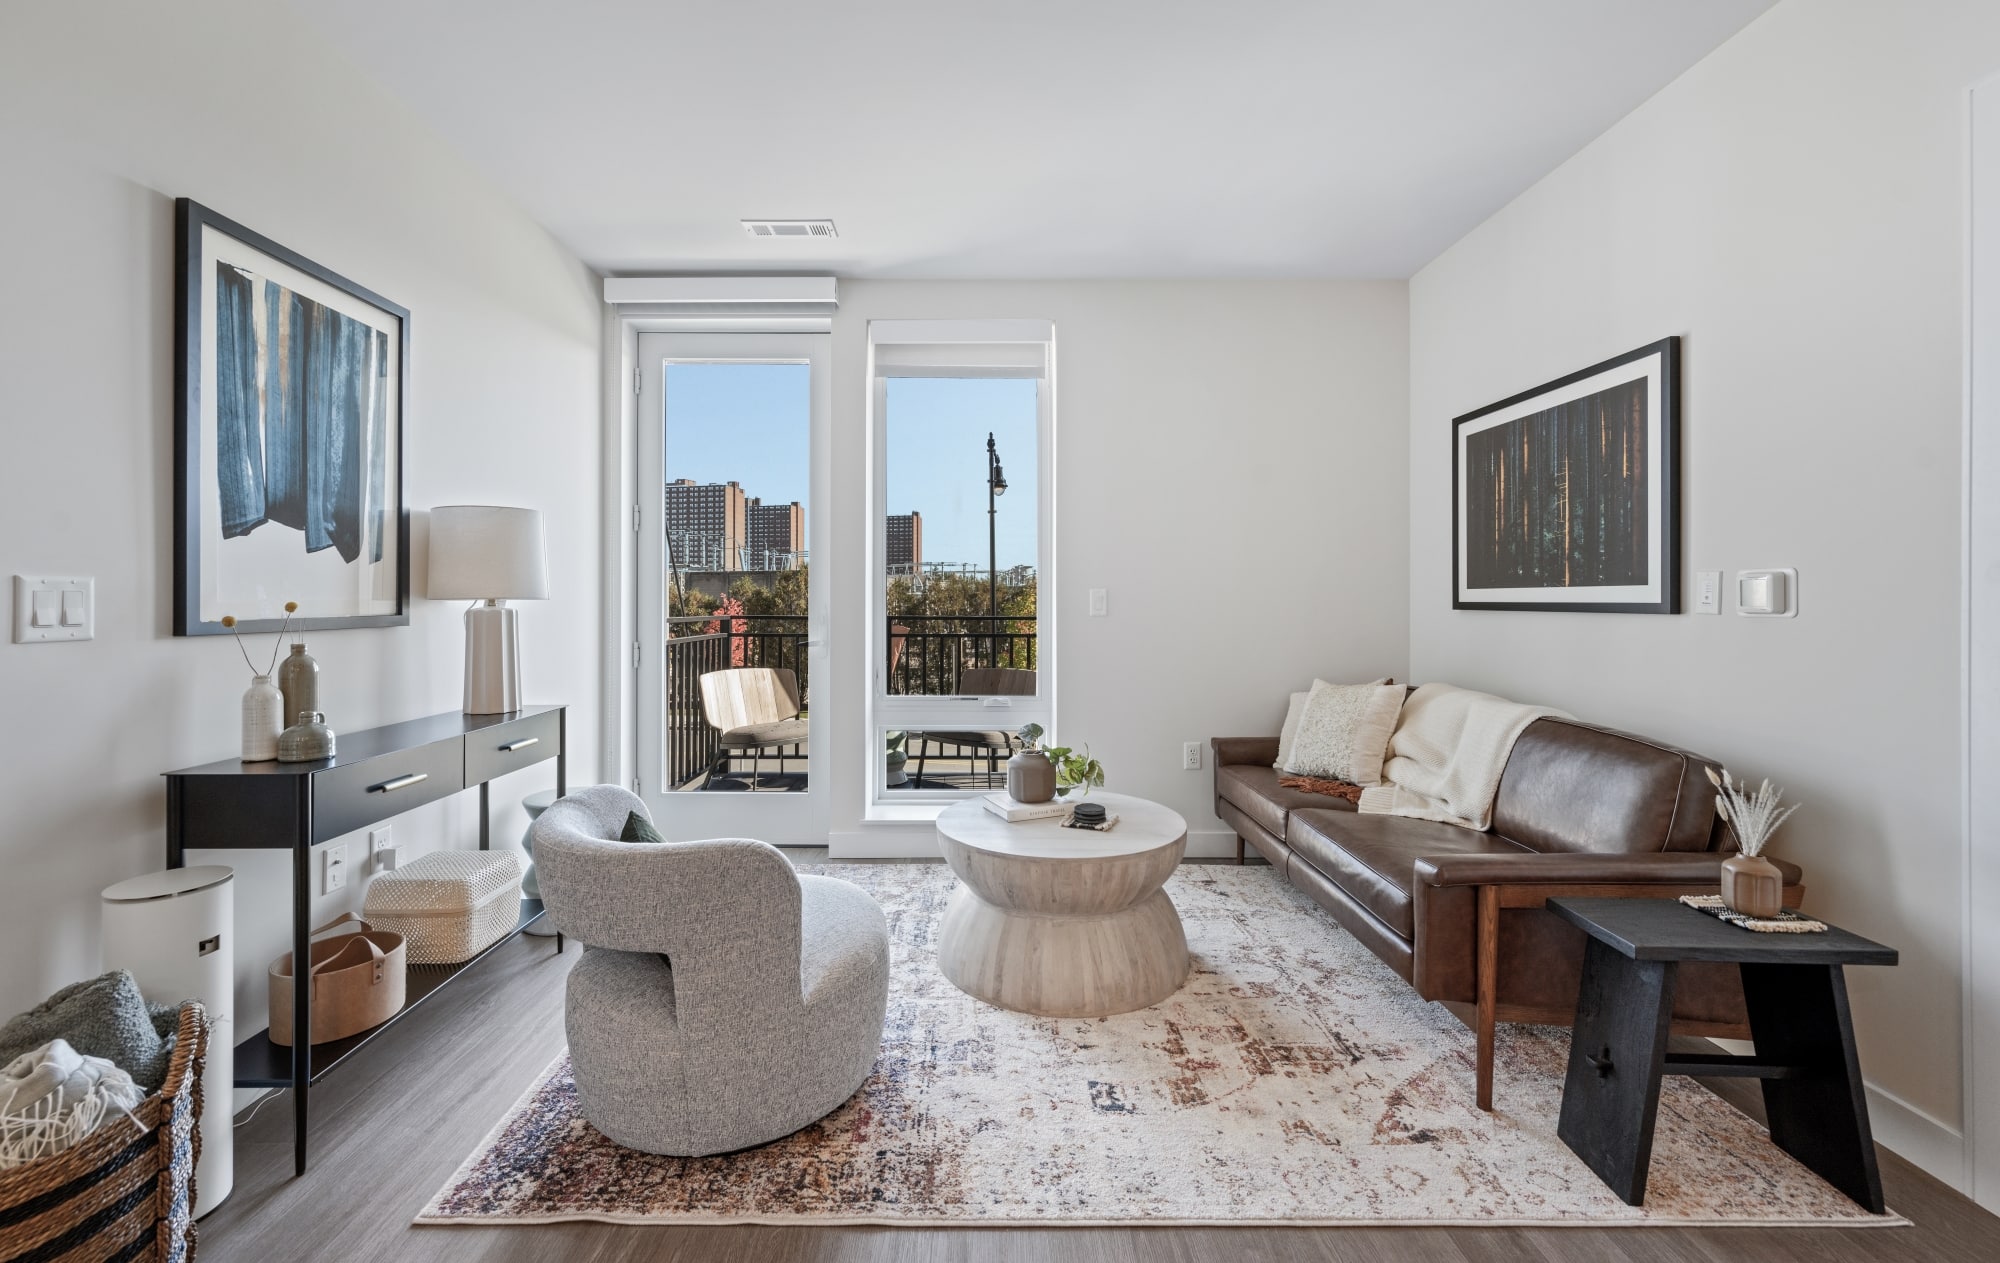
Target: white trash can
176, 932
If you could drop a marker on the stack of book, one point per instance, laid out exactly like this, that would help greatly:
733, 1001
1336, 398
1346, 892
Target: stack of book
1013, 812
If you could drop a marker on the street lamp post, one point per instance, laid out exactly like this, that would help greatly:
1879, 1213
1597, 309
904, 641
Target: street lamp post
996, 485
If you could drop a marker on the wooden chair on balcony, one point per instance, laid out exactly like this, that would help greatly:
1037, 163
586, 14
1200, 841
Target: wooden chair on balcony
754, 709
979, 682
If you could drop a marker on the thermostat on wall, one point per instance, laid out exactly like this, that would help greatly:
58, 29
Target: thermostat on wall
1767, 593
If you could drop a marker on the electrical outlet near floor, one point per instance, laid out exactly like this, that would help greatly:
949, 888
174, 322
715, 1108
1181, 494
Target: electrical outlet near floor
382, 848
1191, 757
333, 868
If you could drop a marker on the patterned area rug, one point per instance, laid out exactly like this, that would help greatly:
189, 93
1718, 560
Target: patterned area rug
1294, 1079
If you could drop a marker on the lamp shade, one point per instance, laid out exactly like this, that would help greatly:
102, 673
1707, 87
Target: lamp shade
483, 552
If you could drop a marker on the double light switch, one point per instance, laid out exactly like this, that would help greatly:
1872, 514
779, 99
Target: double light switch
53, 609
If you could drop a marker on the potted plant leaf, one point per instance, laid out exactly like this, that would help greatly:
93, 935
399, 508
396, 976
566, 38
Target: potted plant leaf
1075, 770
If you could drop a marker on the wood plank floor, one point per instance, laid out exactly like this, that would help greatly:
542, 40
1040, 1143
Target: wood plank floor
393, 1124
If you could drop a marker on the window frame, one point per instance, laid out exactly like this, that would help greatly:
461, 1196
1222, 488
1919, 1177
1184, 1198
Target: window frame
963, 349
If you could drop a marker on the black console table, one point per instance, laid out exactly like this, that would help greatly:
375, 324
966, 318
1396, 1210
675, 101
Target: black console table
1796, 993
230, 805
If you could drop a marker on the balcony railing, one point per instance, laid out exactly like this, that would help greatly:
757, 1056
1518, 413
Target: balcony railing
928, 654
703, 643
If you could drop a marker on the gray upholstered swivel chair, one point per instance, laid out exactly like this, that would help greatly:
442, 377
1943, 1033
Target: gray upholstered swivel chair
724, 1000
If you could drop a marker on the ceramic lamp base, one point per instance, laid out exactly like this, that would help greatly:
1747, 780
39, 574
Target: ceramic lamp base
492, 660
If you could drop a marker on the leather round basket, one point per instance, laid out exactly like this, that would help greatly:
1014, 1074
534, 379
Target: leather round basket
358, 981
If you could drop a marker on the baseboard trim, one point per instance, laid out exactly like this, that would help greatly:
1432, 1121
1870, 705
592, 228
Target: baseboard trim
919, 842
1932, 1144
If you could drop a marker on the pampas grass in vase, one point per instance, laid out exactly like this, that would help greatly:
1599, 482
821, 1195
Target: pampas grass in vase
1751, 884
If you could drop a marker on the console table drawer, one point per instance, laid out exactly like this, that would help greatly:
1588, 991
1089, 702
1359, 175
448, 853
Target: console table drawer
359, 794
504, 748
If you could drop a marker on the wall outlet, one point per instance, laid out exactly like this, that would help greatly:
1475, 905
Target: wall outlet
333, 868
382, 848
1191, 757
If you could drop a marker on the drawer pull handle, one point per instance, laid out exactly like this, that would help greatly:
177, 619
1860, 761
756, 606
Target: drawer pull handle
522, 744
399, 782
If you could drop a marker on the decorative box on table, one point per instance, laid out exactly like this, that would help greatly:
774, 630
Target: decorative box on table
449, 905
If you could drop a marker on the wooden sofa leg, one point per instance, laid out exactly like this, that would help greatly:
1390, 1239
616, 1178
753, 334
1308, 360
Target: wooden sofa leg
1489, 983
1239, 848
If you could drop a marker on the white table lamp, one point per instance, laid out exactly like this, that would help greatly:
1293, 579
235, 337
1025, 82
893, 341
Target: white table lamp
489, 554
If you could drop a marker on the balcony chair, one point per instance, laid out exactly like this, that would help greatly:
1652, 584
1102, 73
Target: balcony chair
980, 682
723, 1000
755, 709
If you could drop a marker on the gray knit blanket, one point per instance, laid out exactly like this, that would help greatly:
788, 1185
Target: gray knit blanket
102, 1017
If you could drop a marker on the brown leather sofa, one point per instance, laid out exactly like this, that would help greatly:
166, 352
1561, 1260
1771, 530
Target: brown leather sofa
1581, 810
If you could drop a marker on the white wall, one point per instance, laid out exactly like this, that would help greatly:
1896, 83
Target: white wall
108, 111
1230, 467
1794, 207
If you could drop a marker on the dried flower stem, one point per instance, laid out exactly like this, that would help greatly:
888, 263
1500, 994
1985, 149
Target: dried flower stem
229, 621
1753, 815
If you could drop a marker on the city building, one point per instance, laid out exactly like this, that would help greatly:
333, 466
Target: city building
706, 525
906, 543
775, 536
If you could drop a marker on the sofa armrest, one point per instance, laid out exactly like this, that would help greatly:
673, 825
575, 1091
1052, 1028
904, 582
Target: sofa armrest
1236, 750
1667, 868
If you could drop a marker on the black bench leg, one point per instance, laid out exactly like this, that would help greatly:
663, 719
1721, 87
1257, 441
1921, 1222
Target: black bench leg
1612, 1093
1819, 1114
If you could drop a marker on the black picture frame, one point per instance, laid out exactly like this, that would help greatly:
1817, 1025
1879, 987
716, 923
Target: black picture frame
195, 552
1635, 514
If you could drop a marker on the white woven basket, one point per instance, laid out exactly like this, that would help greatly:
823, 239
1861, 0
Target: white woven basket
448, 905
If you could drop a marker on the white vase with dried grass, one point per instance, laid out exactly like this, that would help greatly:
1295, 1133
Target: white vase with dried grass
1751, 884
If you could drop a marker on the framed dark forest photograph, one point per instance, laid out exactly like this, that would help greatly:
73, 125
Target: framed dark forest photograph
1566, 497
288, 426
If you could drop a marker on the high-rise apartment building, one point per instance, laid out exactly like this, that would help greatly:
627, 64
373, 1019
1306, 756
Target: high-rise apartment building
906, 543
776, 534
706, 525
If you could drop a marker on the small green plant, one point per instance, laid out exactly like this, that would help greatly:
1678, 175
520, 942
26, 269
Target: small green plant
1031, 736
1074, 770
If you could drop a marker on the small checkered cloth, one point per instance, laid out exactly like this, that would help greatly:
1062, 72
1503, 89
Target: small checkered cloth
1786, 922
1105, 825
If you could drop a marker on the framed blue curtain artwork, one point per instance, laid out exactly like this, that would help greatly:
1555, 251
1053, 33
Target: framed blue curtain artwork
289, 438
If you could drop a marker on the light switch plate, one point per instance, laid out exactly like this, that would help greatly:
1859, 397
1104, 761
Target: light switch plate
1782, 583
333, 868
1099, 603
68, 607
1708, 592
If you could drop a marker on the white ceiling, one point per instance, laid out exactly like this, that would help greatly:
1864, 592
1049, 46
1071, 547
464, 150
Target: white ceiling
1023, 138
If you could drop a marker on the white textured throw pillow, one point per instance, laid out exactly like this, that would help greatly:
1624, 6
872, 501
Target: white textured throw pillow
1293, 710
1343, 732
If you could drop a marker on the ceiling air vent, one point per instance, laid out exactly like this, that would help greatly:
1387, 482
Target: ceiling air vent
790, 228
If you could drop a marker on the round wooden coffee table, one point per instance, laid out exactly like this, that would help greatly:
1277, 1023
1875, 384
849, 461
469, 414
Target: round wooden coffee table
1063, 922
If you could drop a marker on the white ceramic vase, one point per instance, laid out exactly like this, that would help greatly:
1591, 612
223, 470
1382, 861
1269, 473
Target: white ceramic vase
263, 705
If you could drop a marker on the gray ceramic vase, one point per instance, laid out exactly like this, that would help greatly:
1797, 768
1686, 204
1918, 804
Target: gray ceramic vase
1031, 778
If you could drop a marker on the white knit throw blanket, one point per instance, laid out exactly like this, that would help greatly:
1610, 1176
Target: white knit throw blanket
1446, 755
53, 1097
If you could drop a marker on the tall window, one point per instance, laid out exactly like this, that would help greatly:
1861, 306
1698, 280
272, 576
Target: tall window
962, 429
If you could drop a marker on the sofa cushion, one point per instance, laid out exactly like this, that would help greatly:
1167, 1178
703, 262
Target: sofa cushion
1373, 859
1343, 732
1255, 791
1576, 787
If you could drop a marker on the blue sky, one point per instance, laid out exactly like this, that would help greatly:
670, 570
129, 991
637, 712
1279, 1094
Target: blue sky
747, 422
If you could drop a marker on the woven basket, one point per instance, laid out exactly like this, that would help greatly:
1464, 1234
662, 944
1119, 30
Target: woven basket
449, 905
120, 1194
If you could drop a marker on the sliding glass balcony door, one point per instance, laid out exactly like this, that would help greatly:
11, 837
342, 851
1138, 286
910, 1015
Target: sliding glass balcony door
731, 635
